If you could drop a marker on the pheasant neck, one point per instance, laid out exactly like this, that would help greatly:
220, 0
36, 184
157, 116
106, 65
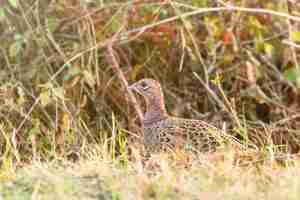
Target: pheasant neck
155, 111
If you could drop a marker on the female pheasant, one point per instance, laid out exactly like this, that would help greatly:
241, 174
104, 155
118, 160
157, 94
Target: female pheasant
163, 132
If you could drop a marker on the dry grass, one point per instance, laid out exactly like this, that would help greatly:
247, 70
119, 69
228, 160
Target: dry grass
62, 94
212, 178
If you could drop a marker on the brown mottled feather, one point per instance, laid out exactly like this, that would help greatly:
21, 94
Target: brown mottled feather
165, 133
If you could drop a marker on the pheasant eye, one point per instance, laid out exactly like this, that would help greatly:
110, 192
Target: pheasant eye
145, 86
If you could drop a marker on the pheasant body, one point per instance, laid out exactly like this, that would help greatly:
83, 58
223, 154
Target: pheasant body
165, 133
178, 133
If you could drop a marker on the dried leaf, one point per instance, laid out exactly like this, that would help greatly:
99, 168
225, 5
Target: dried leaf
251, 72
45, 98
89, 78
228, 38
65, 122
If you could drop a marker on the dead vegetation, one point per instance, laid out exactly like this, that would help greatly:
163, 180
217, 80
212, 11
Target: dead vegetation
65, 66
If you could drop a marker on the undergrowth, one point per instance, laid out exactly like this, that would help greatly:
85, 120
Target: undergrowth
232, 63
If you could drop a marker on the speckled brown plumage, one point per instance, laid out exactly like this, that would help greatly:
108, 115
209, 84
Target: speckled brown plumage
165, 133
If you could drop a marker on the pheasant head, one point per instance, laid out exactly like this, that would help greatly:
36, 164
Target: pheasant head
152, 93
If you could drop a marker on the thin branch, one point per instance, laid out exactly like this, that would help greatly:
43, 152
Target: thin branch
116, 67
123, 39
291, 43
198, 11
212, 93
197, 50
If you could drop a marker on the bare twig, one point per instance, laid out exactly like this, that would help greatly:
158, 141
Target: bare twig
291, 43
196, 47
16, 131
124, 38
212, 93
287, 119
116, 67
197, 11
227, 108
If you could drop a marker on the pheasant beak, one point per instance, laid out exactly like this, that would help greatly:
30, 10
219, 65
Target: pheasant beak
133, 88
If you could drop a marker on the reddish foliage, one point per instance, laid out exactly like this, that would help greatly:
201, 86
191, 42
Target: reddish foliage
228, 37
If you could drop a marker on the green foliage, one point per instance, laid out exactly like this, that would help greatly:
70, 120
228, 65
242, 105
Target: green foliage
295, 35
2, 13
14, 3
293, 74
